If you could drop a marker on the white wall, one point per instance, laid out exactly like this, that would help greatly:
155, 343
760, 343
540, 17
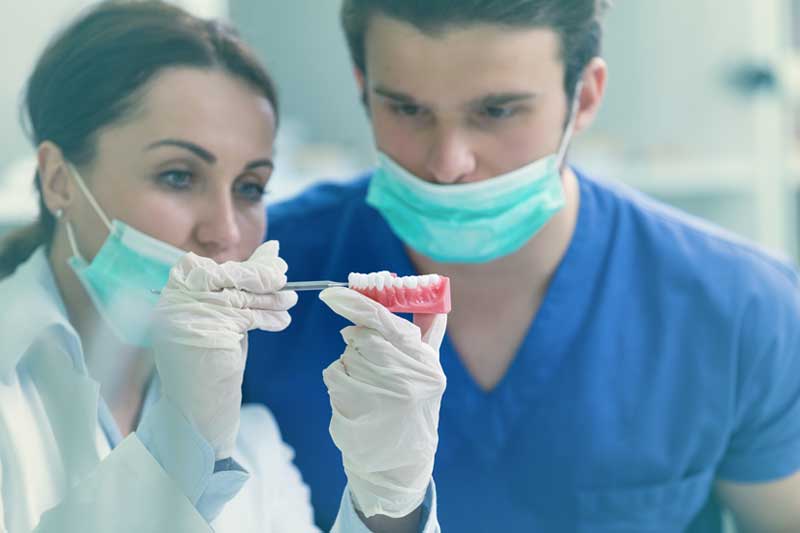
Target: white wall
27, 26
669, 63
306, 54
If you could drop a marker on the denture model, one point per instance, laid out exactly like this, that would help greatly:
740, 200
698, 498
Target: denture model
428, 294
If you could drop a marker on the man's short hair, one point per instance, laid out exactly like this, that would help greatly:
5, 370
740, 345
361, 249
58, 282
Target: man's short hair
577, 22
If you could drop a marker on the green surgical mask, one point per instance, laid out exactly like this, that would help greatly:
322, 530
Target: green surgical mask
122, 277
474, 222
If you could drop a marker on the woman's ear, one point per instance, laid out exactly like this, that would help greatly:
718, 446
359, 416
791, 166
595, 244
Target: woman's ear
58, 189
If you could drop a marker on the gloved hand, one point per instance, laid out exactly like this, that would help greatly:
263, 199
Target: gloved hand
200, 337
385, 392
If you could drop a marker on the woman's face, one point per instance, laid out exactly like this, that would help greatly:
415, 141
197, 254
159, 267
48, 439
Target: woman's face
189, 167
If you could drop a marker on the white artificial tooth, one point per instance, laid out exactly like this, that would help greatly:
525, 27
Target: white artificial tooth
351, 279
397, 282
380, 282
424, 281
360, 281
435, 279
373, 280
410, 282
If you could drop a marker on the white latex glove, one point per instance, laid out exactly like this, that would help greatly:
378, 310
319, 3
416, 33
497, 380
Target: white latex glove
200, 340
385, 393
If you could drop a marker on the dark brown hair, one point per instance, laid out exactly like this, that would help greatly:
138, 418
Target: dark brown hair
577, 22
92, 76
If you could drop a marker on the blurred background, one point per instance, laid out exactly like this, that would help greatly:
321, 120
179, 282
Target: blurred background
703, 106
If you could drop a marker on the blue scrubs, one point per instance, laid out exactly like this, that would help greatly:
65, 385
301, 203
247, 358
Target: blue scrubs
665, 354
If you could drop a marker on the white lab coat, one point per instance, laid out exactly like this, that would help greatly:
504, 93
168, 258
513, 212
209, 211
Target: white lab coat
55, 462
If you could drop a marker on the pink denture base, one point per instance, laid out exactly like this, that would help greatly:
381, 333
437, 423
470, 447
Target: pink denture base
433, 299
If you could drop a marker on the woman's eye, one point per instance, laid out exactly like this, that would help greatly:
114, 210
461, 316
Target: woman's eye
251, 192
176, 179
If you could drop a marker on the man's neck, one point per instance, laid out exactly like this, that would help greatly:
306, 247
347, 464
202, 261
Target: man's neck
527, 271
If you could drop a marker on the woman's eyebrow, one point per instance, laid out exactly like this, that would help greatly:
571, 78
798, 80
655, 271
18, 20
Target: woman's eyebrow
205, 155
260, 163
197, 150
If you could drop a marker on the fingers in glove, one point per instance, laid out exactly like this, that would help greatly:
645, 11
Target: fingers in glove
267, 320
255, 277
266, 252
433, 328
363, 311
269, 269
277, 301
371, 358
264, 272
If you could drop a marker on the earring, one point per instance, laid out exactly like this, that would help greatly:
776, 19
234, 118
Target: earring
59, 213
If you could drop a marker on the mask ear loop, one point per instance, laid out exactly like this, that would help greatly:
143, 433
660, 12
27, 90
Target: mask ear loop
73, 243
573, 113
59, 214
90, 197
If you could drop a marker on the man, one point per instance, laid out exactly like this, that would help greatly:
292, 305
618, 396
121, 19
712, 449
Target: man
612, 364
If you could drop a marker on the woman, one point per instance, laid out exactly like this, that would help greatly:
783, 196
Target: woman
120, 410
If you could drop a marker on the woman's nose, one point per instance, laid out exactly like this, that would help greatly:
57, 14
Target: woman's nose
218, 230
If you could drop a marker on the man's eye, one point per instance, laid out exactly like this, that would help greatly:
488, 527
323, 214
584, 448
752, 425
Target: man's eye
409, 110
176, 179
498, 112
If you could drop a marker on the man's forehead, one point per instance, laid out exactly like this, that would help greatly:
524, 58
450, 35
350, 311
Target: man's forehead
461, 65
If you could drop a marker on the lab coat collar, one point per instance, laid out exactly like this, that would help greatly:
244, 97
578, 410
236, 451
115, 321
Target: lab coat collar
38, 335
33, 307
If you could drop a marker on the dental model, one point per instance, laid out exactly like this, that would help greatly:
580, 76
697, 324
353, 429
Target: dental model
428, 294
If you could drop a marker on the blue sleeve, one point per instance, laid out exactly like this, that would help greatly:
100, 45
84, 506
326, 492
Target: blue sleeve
349, 522
189, 460
765, 442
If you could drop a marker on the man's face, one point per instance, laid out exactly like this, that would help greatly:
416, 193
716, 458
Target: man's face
467, 104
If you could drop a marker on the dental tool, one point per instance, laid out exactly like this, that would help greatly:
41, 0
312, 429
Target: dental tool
428, 293
300, 286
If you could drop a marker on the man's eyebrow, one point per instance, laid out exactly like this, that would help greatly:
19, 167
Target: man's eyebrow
197, 150
500, 99
492, 99
394, 95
